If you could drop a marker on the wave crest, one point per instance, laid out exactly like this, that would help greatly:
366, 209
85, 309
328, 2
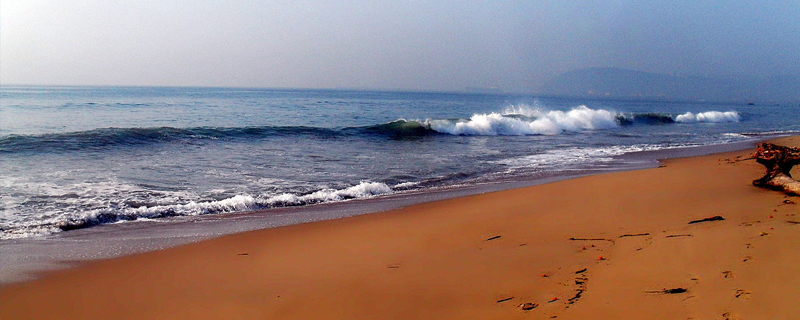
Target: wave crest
709, 117
513, 121
104, 138
519, 120
645, 118
402, 127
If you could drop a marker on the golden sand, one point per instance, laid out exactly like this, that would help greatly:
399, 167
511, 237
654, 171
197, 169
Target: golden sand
611, 246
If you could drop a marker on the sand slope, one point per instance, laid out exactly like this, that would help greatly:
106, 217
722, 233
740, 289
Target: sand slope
477, 257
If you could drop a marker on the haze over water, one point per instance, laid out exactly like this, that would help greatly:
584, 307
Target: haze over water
515, 46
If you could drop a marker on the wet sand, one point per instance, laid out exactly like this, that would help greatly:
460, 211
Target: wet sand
615, 245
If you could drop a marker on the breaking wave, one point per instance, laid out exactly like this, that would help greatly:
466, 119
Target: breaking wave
523, 120
513, 121
526, 121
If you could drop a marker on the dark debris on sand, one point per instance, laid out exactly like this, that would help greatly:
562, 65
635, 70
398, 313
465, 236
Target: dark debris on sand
670, 291
714, 218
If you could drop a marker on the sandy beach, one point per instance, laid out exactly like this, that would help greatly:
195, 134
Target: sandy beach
610, 246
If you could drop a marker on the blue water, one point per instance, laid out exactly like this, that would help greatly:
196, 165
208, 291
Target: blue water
74, 157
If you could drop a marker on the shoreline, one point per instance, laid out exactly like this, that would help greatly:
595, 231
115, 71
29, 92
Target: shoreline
25, 258
604, 246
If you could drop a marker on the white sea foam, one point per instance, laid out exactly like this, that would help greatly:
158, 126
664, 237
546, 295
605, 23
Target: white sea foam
524, 120
362, 190
238, 203
235, 203
560, 159
709, 116
736, 136
405, 185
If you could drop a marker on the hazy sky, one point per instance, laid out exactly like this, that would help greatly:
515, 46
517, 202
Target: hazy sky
422, 45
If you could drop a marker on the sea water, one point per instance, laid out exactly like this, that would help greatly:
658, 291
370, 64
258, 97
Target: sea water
77, 157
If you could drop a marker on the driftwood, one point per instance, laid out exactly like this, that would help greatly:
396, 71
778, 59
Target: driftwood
779, 161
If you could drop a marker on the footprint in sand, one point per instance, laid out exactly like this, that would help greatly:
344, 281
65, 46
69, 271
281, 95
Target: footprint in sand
750, 223
528, 306
727, 274
742, 294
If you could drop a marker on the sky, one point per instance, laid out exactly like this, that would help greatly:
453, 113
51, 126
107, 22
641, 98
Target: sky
515, 46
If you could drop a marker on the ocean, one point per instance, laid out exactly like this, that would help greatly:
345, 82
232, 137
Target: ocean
79, 157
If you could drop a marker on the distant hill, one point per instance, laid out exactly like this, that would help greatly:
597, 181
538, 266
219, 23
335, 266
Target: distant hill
630, 84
